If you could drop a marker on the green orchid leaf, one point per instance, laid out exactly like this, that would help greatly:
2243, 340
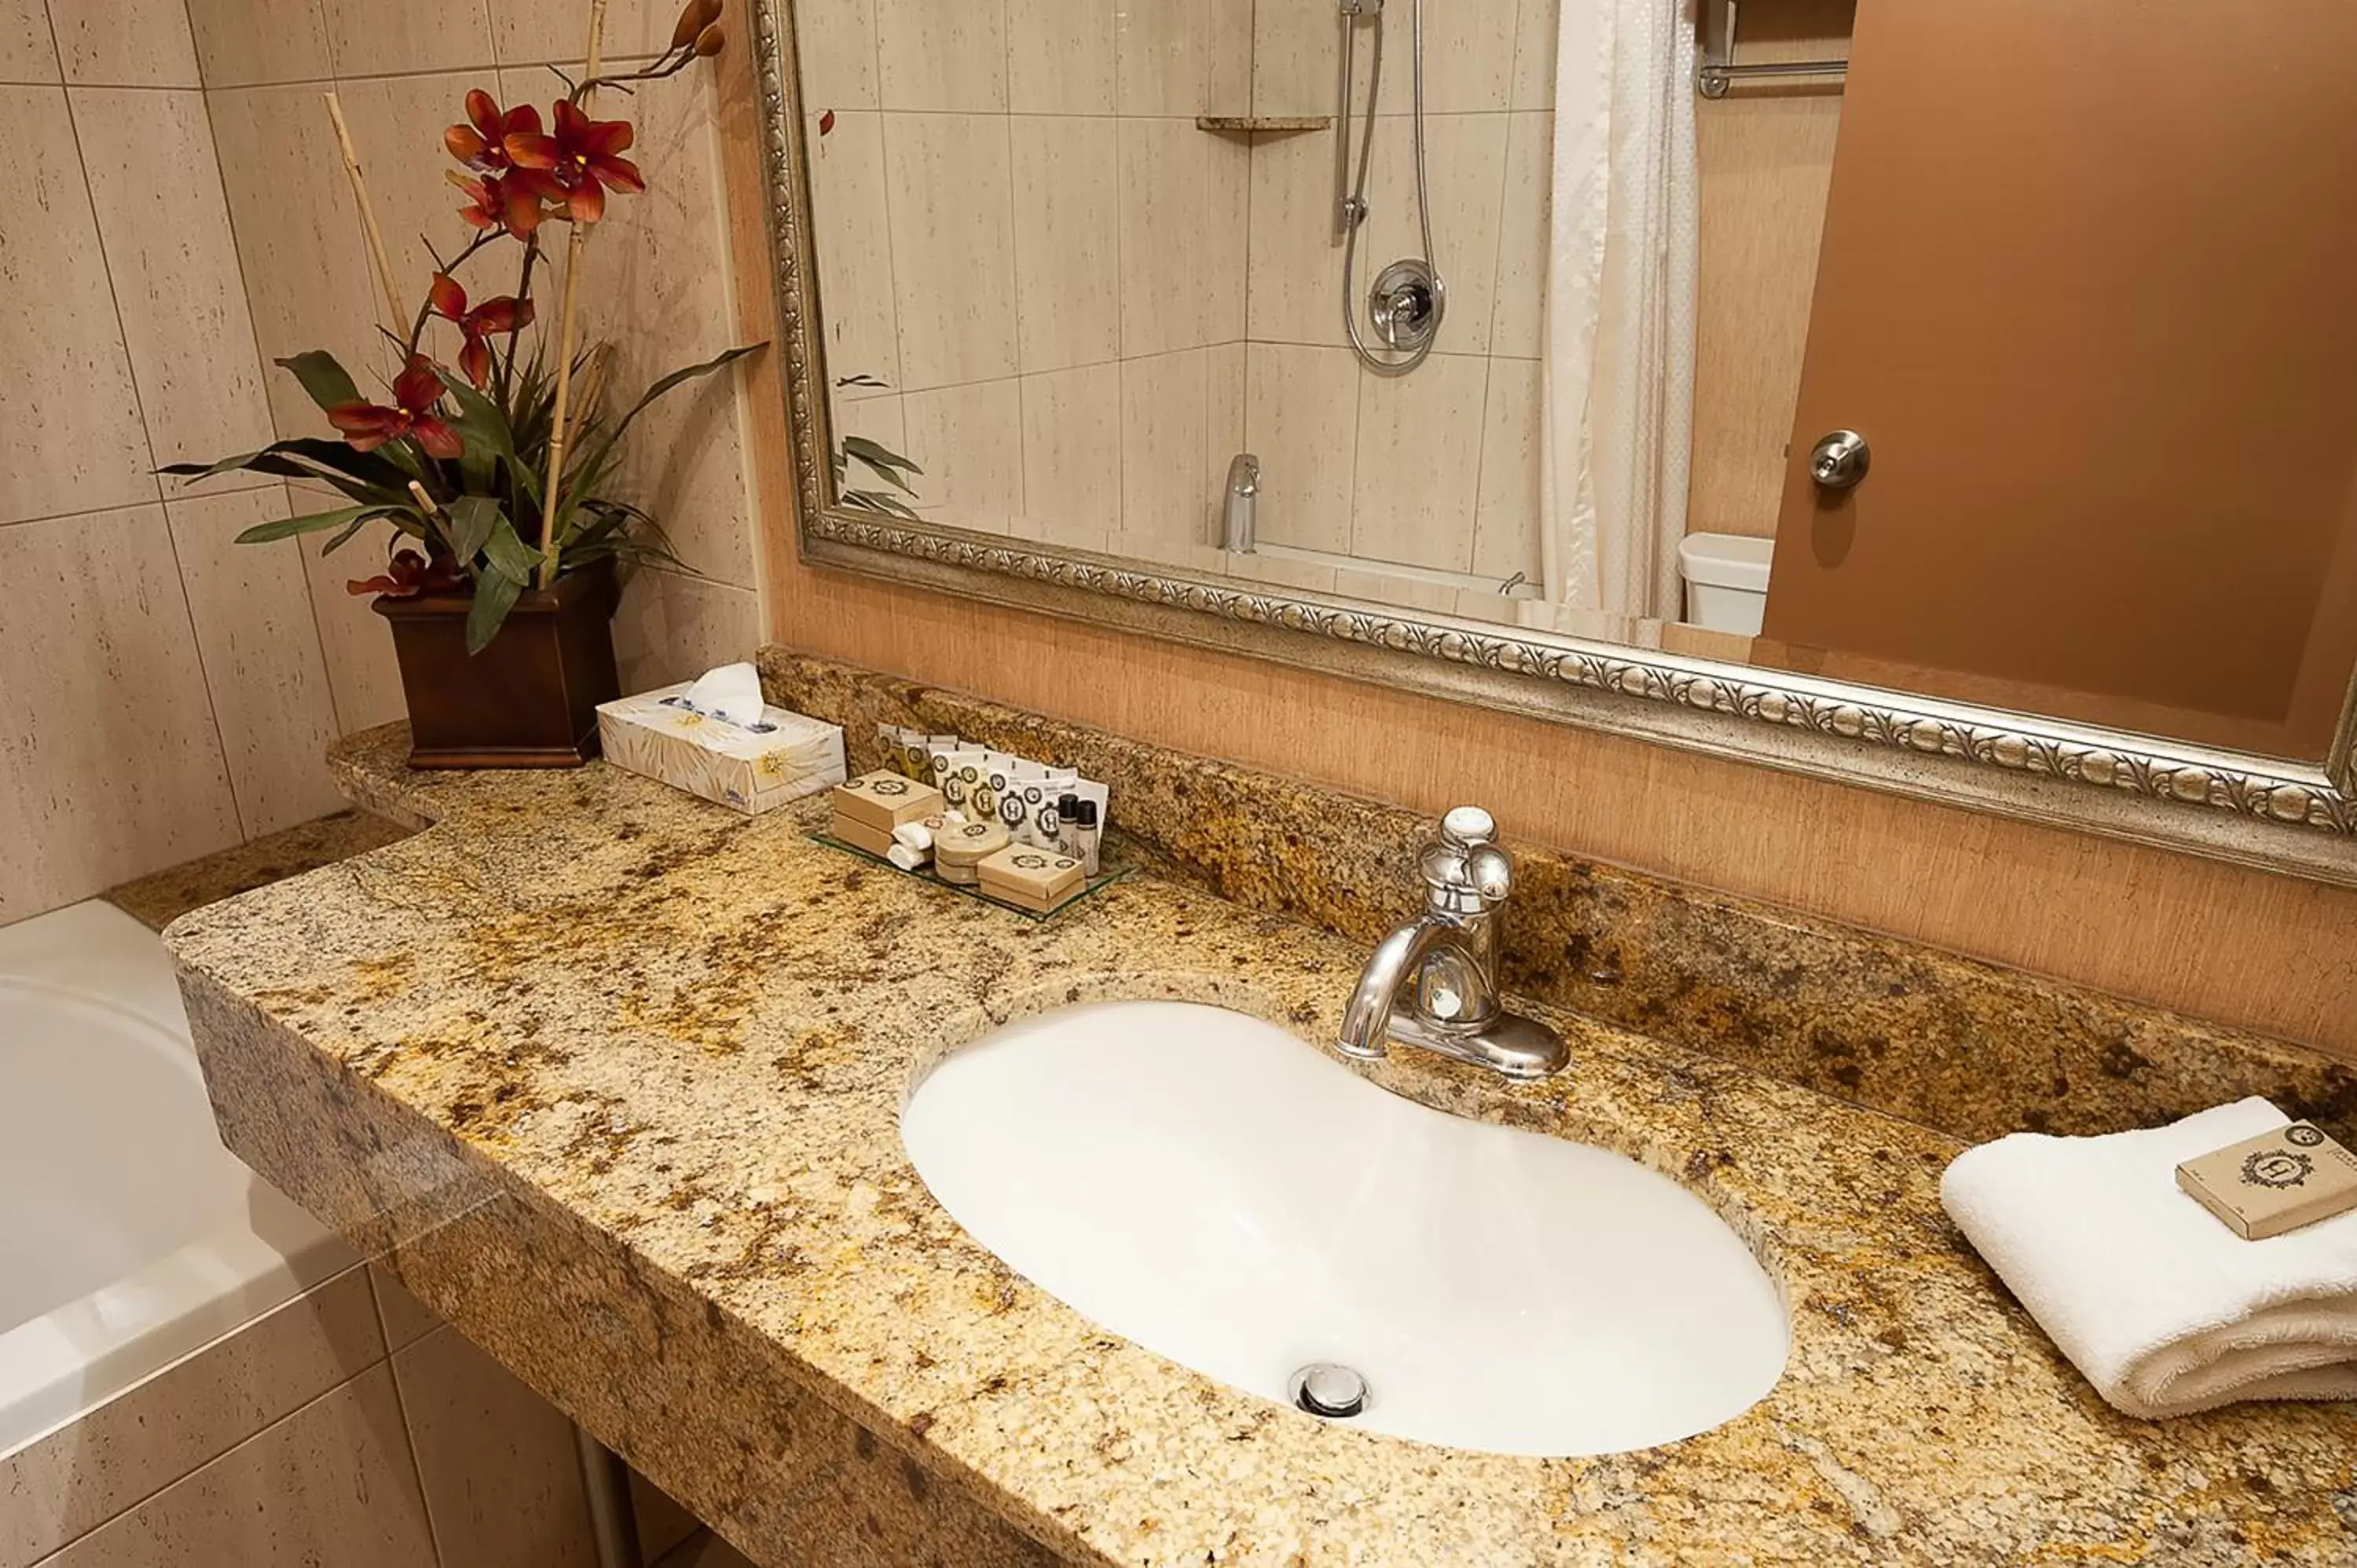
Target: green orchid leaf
316, 522
339, 541
510, 556
472, 519
495, 594
266, 461
327, 382
607, 438
877, 456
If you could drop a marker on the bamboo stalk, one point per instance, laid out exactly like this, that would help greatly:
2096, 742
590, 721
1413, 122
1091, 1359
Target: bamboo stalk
557, 431
400, 318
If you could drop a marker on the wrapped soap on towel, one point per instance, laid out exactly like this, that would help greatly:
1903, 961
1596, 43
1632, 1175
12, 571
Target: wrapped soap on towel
2162, 1307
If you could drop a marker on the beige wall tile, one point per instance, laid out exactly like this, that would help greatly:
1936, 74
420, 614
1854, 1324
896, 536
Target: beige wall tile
1295, 269
1469, 58
534, 32
1302, 416
942, 56
160, 1430
1182, 234
372, 37
307, 283
671, 629
1395, 590
1223, 426
1071, 445
158, 193
1465, 159
1164, 49
405, 1318
1515, 316
952, 247
1296, 55
836, 39
1535, 55
109, 765
1506, 516
1067, 279
1061, 56
851, 233
1229, 87
1418, 473
329, 1484
969, 440
70, 435
362, 675
1164, 436
125, 43
248, 43
263, 665
502, 1483
27, 54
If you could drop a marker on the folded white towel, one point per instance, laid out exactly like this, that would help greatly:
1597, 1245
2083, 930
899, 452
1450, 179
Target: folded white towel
2165, 1309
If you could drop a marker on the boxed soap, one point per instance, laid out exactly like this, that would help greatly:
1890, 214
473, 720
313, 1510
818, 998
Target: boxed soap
884, 800
1029, 878
2276, 1182
752, 767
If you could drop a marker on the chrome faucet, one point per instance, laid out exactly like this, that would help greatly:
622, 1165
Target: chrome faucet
1244, 489
1433, 983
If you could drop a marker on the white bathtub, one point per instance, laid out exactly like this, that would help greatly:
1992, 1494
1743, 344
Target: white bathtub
129, 1237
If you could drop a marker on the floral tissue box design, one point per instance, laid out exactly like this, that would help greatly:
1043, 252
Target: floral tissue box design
784, 757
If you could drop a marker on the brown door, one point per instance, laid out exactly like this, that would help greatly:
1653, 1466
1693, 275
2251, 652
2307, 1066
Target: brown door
2089, 290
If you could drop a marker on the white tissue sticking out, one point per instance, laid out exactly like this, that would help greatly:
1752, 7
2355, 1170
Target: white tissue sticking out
731, 692
904, 857
914, 835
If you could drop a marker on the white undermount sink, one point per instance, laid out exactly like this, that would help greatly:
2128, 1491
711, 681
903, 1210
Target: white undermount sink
1212, 1188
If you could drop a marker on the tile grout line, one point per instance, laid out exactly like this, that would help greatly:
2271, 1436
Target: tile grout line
146, 436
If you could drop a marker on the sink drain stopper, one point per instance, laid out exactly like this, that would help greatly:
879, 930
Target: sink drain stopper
1327, 1388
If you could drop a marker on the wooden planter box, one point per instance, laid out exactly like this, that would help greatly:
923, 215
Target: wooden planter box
529, 699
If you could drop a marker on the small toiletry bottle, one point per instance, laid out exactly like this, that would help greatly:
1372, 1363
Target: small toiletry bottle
1068, 825
1085, 837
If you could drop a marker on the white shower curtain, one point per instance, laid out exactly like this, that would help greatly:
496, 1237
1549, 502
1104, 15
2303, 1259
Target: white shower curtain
1618, 411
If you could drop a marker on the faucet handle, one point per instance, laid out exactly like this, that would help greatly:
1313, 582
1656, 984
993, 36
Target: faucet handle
1468, 827
1490, 873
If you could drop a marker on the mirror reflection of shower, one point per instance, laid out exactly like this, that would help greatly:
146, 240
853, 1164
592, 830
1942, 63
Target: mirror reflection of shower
1408, 299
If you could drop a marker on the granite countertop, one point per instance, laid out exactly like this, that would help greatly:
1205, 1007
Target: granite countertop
651, 1055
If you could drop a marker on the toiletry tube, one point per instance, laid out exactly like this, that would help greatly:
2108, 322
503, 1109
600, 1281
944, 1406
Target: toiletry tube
1036, 795
911, 751
960, 776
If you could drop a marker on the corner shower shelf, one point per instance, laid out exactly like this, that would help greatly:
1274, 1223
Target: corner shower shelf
1247, 124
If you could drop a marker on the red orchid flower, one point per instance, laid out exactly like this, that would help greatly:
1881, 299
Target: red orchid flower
407, 575
482, 142
583, 156
514, 200
368, 426
503, 314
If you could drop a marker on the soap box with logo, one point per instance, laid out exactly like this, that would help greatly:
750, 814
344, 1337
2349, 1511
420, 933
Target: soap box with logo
752, 767
2276, 1182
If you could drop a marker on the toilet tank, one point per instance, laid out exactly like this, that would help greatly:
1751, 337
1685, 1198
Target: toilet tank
1727, 580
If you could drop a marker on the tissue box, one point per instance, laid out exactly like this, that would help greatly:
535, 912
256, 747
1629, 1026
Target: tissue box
750, 768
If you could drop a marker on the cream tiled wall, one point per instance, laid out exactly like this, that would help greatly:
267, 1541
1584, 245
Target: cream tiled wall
165, 693
1438, 469
349, 1426
1024, 236
657, 281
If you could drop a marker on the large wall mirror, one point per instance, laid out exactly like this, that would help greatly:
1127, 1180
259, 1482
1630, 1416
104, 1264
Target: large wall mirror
1956, 399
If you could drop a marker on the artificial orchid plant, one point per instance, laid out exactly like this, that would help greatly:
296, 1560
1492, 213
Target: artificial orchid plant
496, 472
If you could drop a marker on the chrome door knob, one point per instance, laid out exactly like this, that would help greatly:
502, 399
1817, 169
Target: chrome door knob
1839, 460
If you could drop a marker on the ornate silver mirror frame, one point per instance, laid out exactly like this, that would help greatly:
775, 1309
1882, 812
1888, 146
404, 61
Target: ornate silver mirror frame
2260, 811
